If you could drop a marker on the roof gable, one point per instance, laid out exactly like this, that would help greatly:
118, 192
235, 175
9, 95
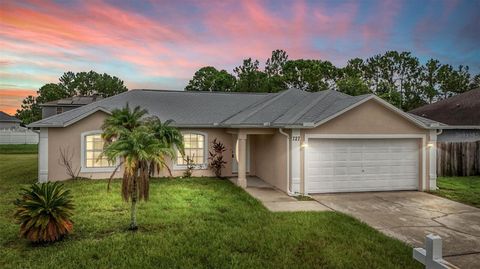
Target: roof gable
364, 98
370, 116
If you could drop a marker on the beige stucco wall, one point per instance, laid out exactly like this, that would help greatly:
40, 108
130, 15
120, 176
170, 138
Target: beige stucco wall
70, 137
271, 159
212, 133
370, 117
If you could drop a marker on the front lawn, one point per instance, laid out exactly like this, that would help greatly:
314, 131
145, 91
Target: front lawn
190, 223
462, 189
19, 149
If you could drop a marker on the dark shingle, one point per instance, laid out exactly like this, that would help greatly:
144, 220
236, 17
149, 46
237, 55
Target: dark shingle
7, 118
462, 109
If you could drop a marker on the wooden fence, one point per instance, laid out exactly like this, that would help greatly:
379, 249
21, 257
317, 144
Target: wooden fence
458, 158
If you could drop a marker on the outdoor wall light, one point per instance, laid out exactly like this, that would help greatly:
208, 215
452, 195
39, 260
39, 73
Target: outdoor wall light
430, 145
304, 145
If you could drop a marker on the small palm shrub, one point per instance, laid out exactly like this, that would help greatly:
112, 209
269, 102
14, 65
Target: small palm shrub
44, 212
190, 165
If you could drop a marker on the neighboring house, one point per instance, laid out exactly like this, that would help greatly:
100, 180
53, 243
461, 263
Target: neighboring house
297, 141
12, 133
459, 142
8, 122
66, 104
460, 112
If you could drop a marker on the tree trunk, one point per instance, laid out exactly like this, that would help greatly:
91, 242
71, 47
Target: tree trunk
133, 223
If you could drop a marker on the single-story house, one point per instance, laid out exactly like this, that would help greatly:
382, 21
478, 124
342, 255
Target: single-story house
63, 105
461, 113
297, 141
12, 133
8, 122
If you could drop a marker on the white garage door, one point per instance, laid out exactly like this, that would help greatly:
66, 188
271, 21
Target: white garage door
353, 165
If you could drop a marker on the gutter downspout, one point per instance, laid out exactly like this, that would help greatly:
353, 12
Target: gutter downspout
289, 192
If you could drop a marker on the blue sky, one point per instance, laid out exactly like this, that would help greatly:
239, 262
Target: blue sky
160, 44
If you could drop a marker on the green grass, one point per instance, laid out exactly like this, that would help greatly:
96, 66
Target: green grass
18, 149
202, 222
462, 189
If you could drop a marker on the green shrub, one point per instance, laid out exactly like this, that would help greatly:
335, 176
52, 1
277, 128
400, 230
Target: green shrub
216, 157
44, 212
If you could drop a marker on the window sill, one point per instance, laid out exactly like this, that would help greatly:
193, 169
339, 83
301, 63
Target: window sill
97, 169
184, 167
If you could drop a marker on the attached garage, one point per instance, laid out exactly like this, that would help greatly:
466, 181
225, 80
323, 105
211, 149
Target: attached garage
355, 165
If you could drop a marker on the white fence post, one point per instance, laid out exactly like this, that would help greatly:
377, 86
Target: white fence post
431, 256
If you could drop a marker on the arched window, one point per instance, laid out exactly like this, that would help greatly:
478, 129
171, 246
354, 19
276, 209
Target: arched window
92, 147
195, 147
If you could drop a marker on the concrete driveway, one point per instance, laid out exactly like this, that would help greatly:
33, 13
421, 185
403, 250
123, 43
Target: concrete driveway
410, 216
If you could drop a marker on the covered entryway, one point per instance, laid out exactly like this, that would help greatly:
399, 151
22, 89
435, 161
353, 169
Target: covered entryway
243, 148
356, 165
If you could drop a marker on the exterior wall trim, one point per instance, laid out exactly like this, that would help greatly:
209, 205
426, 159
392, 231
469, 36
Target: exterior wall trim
83, 167
423, 137
432, 150
295, 160
43, 155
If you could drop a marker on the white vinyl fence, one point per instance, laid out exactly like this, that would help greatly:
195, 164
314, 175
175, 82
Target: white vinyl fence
18, 136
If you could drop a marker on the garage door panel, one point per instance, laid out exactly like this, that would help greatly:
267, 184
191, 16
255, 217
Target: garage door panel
340, 165
370, 184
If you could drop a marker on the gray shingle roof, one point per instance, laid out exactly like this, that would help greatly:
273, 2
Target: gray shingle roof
290, 108
74, 101
4, 117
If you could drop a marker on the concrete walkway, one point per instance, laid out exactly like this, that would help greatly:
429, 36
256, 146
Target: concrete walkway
278, 201
410, 216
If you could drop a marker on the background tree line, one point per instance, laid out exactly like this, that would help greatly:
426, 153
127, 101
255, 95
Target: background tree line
397, 77
70, 84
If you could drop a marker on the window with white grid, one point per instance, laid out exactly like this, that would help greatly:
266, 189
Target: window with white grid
194, 148
93, 149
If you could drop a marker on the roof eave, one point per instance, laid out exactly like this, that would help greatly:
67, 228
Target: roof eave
50, 105
39, 124
450, 127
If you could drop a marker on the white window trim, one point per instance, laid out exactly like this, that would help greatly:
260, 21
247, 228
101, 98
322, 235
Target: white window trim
83, 166
202, 166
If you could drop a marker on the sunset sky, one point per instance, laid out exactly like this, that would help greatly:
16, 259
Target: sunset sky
160, 44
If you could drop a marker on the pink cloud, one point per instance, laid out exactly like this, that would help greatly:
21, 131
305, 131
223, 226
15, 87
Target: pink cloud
171, 41
377, 31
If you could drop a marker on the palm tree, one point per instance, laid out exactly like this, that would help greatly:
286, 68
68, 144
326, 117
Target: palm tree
170, 136
143, 145
121, 121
